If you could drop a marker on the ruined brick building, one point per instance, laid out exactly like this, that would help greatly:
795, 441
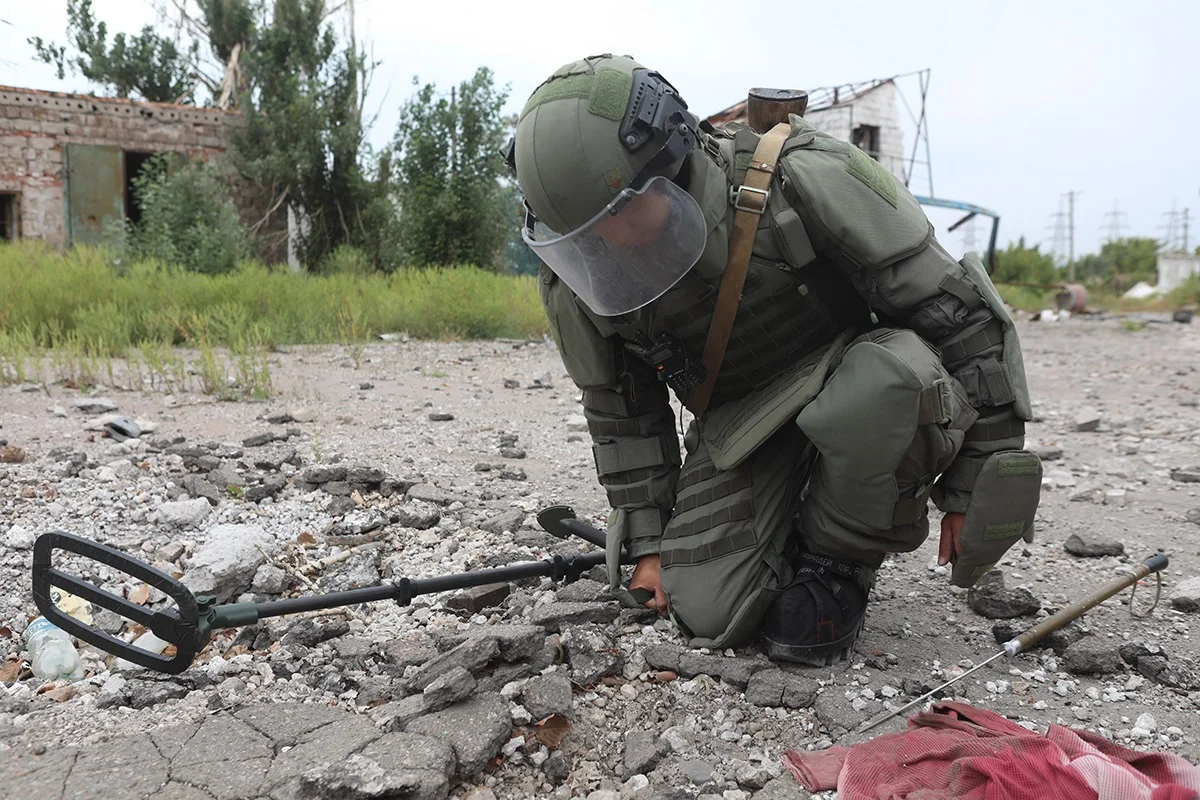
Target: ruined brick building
67, 161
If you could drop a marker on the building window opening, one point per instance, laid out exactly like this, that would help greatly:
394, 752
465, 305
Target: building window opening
866, 138
134, 161
8, 217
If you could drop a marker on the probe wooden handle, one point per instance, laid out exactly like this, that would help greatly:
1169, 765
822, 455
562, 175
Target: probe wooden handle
1029, 638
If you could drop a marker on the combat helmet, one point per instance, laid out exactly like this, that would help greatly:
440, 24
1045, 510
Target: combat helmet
595, 149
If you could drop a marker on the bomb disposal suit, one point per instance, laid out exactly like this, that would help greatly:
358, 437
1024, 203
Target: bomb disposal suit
865, 373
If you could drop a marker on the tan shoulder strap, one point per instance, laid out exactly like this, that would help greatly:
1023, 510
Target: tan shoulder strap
750, 200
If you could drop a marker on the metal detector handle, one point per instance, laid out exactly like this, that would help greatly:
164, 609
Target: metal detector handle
177, 627
1153, 564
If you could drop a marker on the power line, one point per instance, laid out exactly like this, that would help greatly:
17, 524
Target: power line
1059, 245
1113, 225
1170, 228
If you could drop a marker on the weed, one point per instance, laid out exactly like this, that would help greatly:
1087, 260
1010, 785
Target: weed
1132, 325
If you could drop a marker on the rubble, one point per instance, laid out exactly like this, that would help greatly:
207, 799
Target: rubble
528, 688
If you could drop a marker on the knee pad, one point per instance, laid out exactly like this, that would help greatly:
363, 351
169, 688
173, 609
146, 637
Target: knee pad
1001, 511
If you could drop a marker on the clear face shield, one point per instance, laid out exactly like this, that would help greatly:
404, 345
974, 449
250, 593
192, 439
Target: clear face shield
629, 254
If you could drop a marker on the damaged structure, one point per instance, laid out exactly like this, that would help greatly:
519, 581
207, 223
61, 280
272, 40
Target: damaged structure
864, 114
67, 161
867, 114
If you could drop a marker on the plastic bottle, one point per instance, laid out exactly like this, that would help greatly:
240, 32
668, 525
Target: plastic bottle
51, 653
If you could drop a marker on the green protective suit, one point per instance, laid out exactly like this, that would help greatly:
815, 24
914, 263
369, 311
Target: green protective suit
867, 372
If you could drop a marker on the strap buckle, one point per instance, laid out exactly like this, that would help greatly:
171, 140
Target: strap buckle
735, 199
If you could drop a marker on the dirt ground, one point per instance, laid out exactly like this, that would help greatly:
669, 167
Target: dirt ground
1126, 480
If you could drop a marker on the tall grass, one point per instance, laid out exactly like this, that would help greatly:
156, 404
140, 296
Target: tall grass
78, 312
47, 293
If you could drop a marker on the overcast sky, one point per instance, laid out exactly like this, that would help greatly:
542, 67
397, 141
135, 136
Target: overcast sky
1028, 98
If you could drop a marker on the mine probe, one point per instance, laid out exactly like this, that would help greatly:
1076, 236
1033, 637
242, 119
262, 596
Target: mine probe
189, 625
1151, 566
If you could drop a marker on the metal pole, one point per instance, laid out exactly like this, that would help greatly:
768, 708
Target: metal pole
1071, 195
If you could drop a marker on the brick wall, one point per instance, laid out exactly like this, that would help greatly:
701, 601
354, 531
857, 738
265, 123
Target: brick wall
36, 126
875, 107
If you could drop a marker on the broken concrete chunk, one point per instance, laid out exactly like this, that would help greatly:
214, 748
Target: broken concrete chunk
1186, 595
1087, 420
476, 729
774, 687
1089, 546
989, 598
1092, 656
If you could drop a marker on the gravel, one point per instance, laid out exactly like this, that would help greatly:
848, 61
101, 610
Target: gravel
528, 689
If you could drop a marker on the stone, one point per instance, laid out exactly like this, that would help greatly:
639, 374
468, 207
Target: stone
95, 405
359, 521
302, 414
1047, 453
311, 632
506, 522
184, 513
419, 515
365, 475
268, 579
448, 688
19, 539
784, 787
1093, 546
1087, 420
472, 655
260, 439
1186, 595
440, 416
553, 616
989, 598
476, 729
324, 473
396, 715
696, 771
360, 571
146, 693
513, 474
516, 642
412, 650
774, 687
556, 768
512, 452
583, 591
663, 656
1193, 516
591, 653
1191, 475
577, 423
226, 563
199, 486
1115, 497
736, 671
547, 694
429, 493
477, 598
1092, 655
270, 487
643, 750
225, 476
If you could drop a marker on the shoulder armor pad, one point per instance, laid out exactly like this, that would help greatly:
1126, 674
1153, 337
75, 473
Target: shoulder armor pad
587, 353
854, 209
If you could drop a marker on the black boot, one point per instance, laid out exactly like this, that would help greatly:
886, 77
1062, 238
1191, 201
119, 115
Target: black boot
817, 617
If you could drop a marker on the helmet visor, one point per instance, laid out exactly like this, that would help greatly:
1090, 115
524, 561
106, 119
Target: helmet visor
630, 253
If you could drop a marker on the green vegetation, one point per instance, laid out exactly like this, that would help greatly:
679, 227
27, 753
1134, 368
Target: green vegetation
188, 218
450, 174
78, 312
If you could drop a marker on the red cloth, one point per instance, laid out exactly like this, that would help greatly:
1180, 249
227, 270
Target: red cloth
959, 752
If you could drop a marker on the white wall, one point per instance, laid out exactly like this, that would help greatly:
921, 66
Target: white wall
1175, 268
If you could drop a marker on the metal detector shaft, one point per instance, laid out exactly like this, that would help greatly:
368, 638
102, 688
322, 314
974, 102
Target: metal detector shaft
188, 626
1153, 564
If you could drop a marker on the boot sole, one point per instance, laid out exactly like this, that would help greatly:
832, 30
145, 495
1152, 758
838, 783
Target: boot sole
817, 655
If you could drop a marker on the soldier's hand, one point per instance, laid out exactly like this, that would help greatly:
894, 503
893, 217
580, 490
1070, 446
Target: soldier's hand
646, 576
950, 542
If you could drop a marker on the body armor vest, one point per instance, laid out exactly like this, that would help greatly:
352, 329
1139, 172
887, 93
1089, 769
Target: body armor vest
788, 310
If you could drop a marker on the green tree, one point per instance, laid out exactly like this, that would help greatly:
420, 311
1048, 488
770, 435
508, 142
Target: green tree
451, 185
188, 218
1132, 260
304, 138
147, 66
1021, 264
